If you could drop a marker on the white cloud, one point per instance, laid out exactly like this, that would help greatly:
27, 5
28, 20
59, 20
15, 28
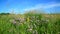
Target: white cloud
43, 6
51, 5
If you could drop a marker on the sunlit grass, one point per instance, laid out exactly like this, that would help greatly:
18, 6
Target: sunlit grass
30, 24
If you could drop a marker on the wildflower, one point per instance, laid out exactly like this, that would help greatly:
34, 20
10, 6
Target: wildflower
32, 17
13, 21
29, 29
28, 19
37, 20
22, 19
35, 32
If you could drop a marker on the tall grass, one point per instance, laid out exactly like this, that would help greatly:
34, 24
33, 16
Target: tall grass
30, 24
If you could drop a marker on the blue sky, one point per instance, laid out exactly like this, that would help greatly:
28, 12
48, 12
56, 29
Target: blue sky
20, 6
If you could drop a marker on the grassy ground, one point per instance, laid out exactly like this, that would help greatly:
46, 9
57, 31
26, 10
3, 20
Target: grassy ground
30, 24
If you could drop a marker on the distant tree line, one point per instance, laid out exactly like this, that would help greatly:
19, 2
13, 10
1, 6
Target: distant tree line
4, 13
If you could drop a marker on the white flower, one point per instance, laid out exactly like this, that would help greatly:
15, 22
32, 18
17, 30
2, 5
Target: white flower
30, 29
13, 21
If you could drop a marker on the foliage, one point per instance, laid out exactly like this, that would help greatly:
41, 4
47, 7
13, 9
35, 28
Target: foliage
30, 24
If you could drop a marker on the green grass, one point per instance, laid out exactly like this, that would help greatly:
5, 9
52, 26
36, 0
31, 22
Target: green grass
33, 24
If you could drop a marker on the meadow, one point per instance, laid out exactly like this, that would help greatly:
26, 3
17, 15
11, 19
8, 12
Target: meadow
30, 23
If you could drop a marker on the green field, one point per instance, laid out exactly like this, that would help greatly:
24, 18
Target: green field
30, 24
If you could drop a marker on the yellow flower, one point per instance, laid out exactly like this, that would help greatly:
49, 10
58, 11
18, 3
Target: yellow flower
28, 19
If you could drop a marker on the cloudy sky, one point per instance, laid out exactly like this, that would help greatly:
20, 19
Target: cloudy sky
20, 6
